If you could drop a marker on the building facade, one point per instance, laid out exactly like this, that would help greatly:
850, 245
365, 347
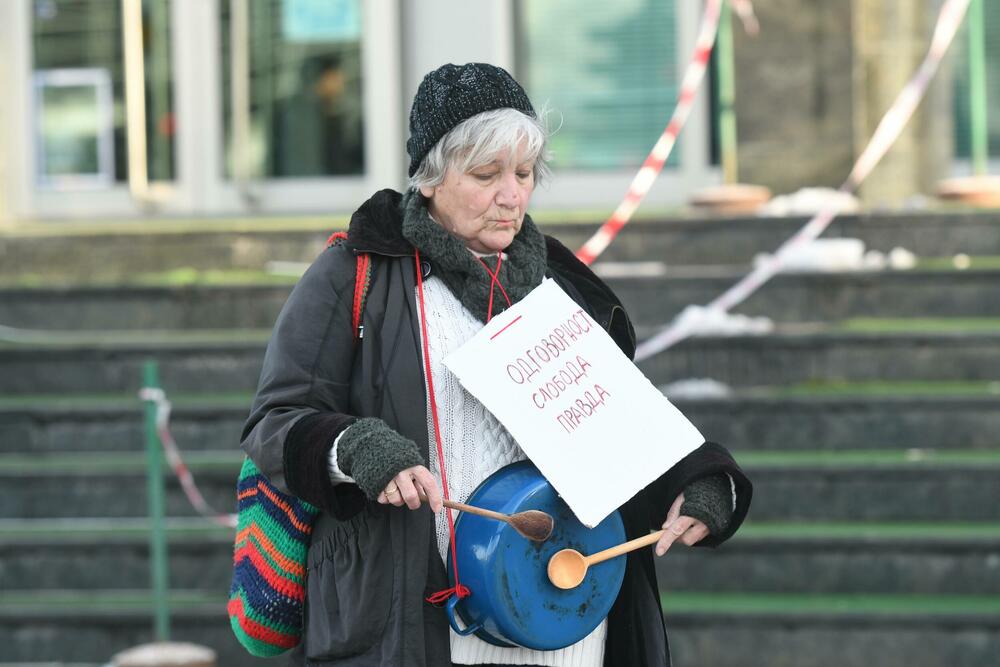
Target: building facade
126, 109
132, 108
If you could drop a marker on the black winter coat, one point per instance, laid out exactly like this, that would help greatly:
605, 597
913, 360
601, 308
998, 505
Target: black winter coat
371, 566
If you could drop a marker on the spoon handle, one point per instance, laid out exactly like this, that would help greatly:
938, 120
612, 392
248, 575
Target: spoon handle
472, 509
624, 548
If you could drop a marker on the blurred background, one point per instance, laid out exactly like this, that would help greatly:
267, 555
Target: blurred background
169, 167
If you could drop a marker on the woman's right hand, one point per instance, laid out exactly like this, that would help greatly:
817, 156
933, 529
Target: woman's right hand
408, 486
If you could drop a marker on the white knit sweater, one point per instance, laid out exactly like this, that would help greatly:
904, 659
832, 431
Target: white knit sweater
475, 446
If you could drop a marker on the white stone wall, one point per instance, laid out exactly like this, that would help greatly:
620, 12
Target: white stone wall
5, 100
812, 87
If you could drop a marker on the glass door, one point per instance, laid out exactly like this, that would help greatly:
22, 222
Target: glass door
101, 117
309, 96
202, 107
302, 88
612, 70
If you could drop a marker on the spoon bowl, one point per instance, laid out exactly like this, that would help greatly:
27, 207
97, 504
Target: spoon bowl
534, 525
567, 568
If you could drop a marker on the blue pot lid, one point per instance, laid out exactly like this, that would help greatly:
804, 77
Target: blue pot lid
511, 593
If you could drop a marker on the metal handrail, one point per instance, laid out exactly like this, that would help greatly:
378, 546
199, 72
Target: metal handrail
159, 572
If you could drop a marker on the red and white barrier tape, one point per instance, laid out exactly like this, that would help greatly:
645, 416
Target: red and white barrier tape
888, 130
694, 74
173, 454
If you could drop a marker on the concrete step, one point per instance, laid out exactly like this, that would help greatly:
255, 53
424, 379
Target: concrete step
144, 307
649, 299
88, 423
94, 625
110, 484
932, 415
738, 240
229, 361
805, 630
819, 558
817, 297
111, 554
101, 363
824, 486
820, 353
832, 486
852, 415
759, 630
118, 255
73, 253
856, 557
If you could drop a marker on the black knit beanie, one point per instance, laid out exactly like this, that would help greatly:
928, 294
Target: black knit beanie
454, 93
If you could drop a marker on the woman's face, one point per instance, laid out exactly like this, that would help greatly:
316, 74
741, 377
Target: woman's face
484, 206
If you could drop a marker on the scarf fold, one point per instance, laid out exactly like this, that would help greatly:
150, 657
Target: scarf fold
464, 274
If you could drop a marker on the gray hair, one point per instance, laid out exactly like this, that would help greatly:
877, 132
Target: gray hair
478, 140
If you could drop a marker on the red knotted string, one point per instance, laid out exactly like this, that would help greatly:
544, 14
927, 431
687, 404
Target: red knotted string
494, 282
458, 589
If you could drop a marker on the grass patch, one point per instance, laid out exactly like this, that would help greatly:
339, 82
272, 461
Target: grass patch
187, 276
872, 457
89, 401
198, 529
108, 601
193, 225
981, 262
919, 325
180, 277
768, 603
100, 463
118, 529
207, 461
135, 338
880, 388
599, 215
68, 401
859, 529
806, 390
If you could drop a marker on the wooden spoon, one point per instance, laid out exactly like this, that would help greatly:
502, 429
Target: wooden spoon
534, 525
568, 567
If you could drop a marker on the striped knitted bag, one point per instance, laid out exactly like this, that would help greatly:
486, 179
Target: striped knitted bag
272, 539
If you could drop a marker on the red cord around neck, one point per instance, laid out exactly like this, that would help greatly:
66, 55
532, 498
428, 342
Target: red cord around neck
494, 282
458, 589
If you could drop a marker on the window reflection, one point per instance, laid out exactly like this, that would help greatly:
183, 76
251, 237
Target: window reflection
608, 69
960, 70
78, 57
306, 111
74, 143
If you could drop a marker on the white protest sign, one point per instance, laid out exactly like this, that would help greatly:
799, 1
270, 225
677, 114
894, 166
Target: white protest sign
594, 425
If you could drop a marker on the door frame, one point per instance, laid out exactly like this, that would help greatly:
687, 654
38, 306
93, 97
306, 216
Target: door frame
199, 187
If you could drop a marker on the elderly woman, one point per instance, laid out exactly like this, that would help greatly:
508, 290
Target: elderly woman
351, 425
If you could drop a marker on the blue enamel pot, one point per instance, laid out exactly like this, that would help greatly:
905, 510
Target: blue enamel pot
513, 603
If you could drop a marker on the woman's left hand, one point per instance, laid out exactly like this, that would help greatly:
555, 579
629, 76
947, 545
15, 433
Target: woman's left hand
689, 531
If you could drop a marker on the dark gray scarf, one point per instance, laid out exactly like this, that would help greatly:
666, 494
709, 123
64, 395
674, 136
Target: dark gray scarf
463, 273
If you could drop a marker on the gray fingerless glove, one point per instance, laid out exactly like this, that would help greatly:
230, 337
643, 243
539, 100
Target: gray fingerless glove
373, 453
710, 500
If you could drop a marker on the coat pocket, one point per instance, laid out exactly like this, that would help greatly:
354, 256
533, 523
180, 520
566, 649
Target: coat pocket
349, 588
